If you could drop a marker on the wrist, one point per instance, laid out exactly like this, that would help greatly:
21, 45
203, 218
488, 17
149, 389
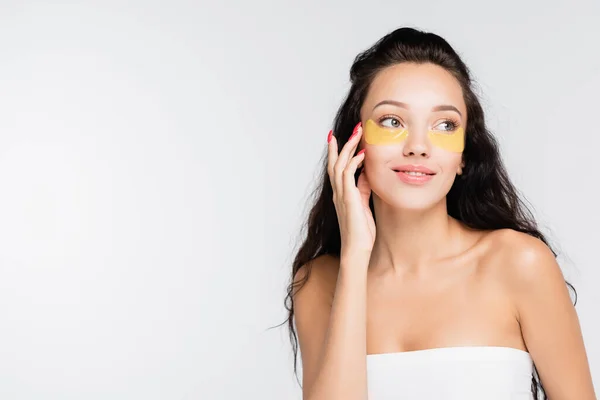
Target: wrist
355, 262
355, 257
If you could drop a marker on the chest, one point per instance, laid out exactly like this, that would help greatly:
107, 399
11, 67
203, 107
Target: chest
453, 311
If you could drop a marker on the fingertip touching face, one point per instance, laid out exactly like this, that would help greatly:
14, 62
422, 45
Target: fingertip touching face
414, 120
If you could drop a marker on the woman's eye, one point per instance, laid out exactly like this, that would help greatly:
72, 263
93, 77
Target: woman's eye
391, 122
447, 126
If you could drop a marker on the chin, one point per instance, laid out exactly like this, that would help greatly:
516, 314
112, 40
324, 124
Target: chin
415, 204
415, 201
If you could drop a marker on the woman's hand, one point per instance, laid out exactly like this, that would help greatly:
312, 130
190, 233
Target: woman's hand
351, 200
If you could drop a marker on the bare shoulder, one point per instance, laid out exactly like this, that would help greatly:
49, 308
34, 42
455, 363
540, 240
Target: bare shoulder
317, 278
522, 260
523, 254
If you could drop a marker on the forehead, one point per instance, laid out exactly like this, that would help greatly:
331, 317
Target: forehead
421, 86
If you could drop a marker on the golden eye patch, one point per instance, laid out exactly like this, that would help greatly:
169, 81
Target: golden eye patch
375, 134
454, 141
379, 135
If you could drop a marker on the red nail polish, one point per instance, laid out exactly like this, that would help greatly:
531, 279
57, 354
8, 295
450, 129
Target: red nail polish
355, 130
360, 152
329, 136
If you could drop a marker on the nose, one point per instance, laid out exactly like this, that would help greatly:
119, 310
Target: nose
417, 144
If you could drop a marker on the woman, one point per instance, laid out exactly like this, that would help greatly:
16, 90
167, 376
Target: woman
423, 275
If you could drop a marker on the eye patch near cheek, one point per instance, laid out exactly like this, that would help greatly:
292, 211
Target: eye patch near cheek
378, 135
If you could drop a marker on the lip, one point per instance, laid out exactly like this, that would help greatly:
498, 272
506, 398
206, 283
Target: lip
413, 168
401, 172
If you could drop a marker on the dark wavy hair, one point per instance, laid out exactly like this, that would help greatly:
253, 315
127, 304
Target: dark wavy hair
482, 198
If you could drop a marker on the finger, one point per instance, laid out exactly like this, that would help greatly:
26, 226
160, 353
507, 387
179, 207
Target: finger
364, 188
349, 172
350, 146
346, 155
332, 155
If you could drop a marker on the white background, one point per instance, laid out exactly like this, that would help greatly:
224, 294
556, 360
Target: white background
156, 160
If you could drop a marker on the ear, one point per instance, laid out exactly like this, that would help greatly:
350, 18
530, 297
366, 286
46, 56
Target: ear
459, 171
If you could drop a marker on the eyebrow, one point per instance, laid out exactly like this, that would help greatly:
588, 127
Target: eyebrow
442, 107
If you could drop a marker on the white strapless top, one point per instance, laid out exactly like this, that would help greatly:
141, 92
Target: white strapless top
451, 373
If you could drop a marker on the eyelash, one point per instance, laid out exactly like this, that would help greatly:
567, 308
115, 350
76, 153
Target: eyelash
454, 124
384, 117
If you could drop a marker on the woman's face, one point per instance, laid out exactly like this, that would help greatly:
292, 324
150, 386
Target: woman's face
417, 120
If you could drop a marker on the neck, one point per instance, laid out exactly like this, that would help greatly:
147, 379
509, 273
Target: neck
409, 241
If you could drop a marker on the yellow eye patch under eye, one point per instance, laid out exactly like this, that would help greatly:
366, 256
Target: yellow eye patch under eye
454, 141
375, 134
378, 135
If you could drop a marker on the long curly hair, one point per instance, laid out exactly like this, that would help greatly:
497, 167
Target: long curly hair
483, 198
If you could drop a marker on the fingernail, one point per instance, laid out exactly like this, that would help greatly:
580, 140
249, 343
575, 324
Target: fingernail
329, 136
355, 130
360, 152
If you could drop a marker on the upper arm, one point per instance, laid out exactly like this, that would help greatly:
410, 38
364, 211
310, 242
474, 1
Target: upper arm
549, 322
312, 306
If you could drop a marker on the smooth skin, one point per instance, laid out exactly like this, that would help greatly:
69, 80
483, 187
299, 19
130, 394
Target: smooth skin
422, 279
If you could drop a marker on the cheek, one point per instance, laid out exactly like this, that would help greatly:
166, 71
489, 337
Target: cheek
450, 162
376, 159
378, 154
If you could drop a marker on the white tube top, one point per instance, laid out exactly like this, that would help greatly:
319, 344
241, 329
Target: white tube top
449, 373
